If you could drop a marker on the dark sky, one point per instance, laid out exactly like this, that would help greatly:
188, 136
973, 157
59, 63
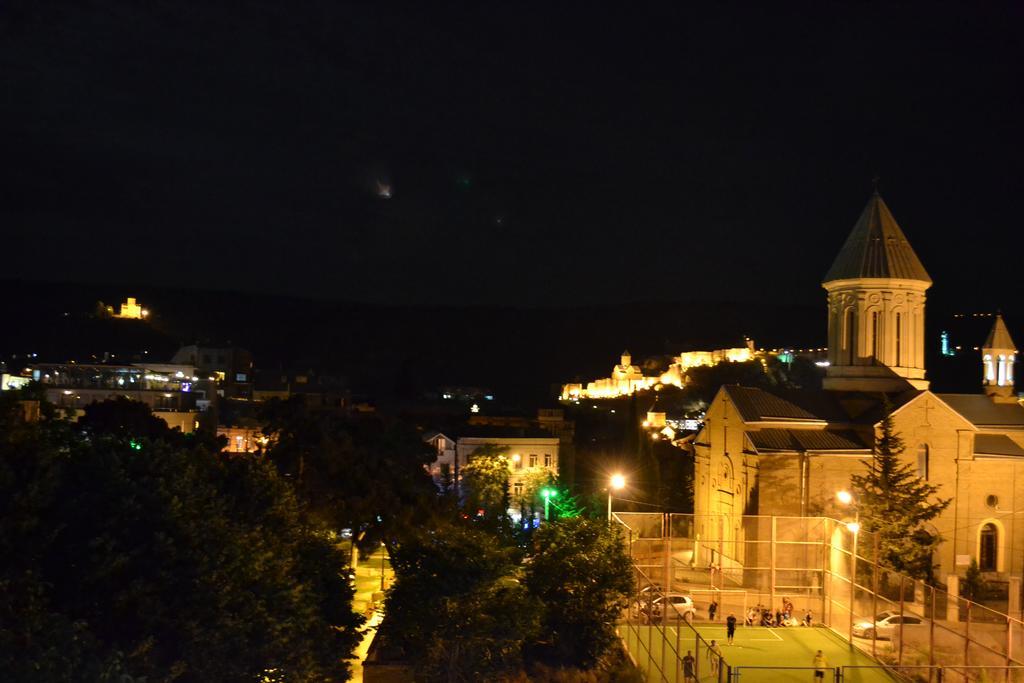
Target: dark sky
535, 154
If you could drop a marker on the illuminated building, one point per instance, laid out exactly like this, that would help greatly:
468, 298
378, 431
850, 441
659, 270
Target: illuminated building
229, 366
171, 390
131, 310
627, 378
530, 451
787, 452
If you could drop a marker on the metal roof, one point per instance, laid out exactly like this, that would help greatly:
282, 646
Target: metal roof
877, 248
758, 405
981, 410
807, 440
999, 337
996, 444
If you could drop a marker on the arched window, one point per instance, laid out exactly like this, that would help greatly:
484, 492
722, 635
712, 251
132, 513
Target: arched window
874, 337
990, 374
988, 548
1001, 376
850, 337
922, 461
899, 338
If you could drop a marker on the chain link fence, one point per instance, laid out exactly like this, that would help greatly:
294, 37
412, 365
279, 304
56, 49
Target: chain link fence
798, 570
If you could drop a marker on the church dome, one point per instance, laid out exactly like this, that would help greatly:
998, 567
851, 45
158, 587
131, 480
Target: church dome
877, 248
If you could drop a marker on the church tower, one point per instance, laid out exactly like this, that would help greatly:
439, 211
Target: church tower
876, 294
997, 358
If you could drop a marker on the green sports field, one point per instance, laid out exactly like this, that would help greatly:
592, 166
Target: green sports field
753, 647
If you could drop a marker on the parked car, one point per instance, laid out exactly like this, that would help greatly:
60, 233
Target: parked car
886, 625
668, 605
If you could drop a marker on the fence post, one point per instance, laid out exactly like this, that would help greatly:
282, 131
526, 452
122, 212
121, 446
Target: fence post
771, 586
666, 538
967, 636
931, 637
874, 594
899, 657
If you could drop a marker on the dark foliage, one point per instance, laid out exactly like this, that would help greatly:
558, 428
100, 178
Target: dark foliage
366, 474
582, 576
164, 562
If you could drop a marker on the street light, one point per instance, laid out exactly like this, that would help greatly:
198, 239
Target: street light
548, 494
846, 498
617, 483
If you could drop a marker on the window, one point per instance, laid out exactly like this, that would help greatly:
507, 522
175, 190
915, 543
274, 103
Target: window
922, 461
533, 459
1001, 374
990, 374
850, 336
992, 501
899, 339
874, 336
241, 377
518, 461
547, 460
988, 548
517, 489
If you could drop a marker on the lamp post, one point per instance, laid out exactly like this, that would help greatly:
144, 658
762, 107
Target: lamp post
548, 494
382, 555
846, 498
617, 483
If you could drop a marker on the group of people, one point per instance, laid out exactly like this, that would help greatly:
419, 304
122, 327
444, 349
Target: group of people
785, 616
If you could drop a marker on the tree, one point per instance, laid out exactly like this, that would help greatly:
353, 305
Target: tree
973, 585
454, 609
486, 479
365, 474
164, 562
581, 573
895, 504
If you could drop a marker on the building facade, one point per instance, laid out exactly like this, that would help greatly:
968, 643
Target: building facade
532, 455
788, 452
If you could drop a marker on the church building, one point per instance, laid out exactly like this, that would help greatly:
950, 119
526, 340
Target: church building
789, 452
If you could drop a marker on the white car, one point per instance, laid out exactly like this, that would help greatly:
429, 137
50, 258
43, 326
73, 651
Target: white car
887, 624
679, 607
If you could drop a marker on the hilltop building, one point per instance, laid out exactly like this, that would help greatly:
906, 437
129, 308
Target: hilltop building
780, 452
132, 310
627, 378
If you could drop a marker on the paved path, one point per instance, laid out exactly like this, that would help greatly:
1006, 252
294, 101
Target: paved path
368, 575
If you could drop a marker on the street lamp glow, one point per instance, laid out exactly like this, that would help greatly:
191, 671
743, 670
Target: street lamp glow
853, 526
617, 483
548, 494
844, 497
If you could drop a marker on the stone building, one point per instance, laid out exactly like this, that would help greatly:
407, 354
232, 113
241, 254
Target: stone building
531, 452
788, 452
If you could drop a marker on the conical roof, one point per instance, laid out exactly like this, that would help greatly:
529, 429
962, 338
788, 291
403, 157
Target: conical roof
999, 337
877, 248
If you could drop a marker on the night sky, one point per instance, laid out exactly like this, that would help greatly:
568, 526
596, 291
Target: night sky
534, 155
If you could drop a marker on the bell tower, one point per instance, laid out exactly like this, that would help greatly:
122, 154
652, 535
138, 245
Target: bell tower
998, 356
876, 295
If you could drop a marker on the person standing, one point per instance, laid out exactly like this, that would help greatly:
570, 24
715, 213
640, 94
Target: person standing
730, 627
820, 664
689, 674
712, 609
714, 658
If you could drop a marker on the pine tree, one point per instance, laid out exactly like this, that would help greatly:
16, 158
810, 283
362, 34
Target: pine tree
895, 503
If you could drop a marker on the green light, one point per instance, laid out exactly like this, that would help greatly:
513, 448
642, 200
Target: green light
549, 493
135, 445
